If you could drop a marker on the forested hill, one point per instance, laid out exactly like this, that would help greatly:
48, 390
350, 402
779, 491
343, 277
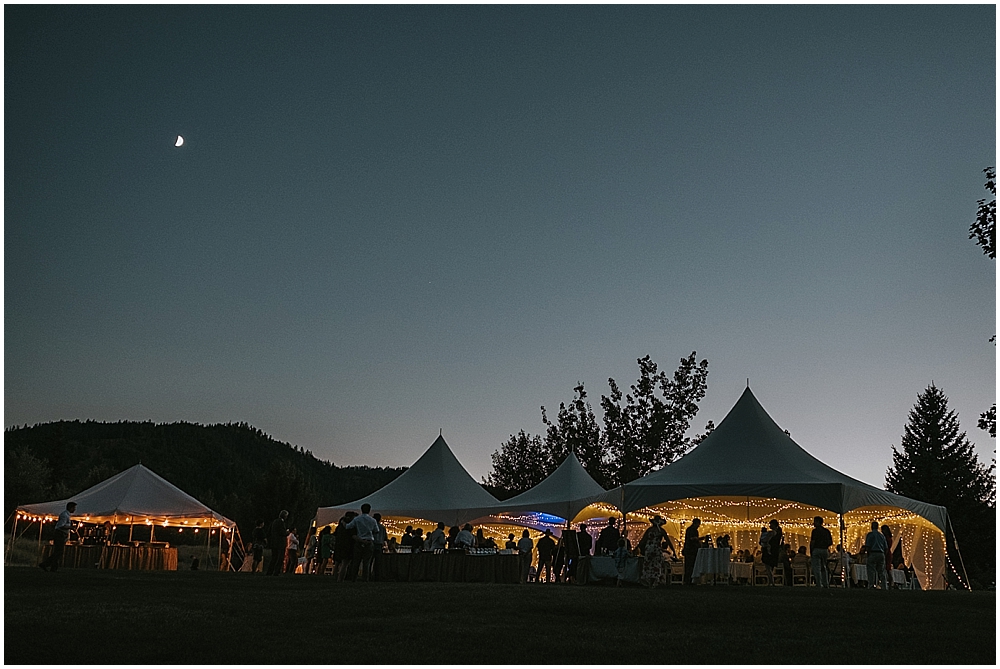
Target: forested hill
236, 469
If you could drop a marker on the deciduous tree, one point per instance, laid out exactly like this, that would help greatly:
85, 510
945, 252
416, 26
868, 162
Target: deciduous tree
522, 462
576, 430
649, 429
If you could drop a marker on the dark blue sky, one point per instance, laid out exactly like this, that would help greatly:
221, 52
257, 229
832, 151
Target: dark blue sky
387, 221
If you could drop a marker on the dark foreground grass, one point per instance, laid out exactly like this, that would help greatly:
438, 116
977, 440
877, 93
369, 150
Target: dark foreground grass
90, 616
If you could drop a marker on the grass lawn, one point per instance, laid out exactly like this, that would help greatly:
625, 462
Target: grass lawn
116, 617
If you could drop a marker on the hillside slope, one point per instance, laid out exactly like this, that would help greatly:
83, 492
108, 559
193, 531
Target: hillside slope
236, 469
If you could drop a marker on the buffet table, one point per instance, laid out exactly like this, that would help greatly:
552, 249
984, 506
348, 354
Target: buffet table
448, 566
153, 557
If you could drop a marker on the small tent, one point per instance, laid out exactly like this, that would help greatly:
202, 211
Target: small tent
436, 488
554, 502
134, 496
749, 470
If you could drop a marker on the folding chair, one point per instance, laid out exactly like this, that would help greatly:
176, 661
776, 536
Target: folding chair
676, 573
800, 575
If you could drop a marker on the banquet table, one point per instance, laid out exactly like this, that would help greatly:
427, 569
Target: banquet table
859, 572
741, 570
596, 569
448, 566
711, 561
117, 557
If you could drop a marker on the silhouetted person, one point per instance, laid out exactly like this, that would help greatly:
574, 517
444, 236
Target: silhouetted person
524, 547
584, 542
452, 540
546, 548
258, 538
379, 547
607, 540
819, 552
277, 539
365, 545
63, 527
437, 538
692, 543
875, 561
291, 552
325, 549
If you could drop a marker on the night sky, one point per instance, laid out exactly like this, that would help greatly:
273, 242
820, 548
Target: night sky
390, 221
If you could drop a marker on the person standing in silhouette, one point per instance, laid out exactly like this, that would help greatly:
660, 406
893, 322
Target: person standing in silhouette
692, 542
875, 561
277, 539
258, 538
819, 551
364, 547
63, 527
546, 547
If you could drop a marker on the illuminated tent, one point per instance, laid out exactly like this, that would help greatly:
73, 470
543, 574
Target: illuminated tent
135, 496
436, 488
559, 498
748, 470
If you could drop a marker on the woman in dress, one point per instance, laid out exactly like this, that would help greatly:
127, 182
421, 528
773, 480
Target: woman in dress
653, 571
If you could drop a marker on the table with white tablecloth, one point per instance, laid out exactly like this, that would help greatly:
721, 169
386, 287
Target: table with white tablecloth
738, 570
859, 572
711, 562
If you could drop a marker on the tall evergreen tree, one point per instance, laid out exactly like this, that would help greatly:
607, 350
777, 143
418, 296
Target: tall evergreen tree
936, 463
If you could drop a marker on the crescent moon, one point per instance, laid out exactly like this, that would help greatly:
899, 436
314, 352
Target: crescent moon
180, 140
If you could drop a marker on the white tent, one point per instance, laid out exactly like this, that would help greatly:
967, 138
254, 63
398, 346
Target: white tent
436, 488
749, 470
135, 496
562, 495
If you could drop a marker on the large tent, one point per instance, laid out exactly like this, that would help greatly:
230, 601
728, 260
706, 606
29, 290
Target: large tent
749, 470
134, 496
437, 488
552, 503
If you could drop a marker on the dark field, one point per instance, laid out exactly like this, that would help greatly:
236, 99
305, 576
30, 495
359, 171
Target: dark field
117, 617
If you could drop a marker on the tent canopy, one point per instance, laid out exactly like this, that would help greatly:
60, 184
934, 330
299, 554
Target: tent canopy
749, 455
136, 495
437, 488
564, 493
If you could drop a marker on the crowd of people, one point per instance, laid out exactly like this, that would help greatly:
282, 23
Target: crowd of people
353, 550
775, 555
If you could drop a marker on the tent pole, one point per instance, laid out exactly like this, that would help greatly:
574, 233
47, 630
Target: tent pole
958, 553
130, 526
232, 540
10, 544
843, 552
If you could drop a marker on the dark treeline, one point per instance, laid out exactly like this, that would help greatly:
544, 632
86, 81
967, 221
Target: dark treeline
236, 469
